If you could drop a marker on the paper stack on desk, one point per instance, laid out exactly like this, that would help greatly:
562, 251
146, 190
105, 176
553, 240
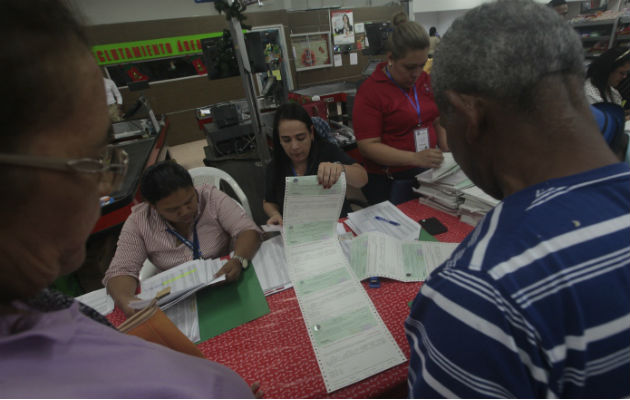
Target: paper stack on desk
440, 188
271, 266
448, 189
349, 338
476, 204
377, 254
184, 280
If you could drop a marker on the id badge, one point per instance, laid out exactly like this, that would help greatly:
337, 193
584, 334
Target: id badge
421, 138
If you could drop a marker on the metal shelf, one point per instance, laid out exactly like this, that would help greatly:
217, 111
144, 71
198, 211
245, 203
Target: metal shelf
596, 38
594, 23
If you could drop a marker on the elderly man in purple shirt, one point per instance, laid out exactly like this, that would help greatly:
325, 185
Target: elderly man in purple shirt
54, 166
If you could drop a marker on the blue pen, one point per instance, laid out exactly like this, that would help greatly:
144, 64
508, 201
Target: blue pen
386, 220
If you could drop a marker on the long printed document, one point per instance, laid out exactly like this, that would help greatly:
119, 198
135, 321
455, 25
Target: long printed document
349, 338
378, 254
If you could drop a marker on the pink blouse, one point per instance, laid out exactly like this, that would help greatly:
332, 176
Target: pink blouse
144, 234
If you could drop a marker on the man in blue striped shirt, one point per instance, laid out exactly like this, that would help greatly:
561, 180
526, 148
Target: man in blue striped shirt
536, 301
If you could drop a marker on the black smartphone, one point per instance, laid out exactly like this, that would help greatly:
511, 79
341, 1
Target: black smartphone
433, 226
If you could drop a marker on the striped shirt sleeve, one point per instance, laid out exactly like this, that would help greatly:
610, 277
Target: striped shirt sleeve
130, 252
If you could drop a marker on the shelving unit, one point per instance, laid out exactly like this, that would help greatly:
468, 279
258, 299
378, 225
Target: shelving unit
622, 33
598, 36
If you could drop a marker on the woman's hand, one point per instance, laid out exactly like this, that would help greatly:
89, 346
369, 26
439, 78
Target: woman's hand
328, 173
123, 304
275, 220
429, 158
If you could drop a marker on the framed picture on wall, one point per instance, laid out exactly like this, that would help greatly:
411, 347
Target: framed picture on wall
312, 50
342, 25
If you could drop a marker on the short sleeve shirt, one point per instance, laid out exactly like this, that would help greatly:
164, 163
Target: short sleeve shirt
381, 109
144, 235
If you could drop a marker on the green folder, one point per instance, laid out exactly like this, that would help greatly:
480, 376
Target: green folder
221, 308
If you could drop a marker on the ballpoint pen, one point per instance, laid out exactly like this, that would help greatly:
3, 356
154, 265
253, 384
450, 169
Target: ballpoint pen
379, 218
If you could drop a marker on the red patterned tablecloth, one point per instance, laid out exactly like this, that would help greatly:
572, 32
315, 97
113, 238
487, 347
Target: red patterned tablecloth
275, 349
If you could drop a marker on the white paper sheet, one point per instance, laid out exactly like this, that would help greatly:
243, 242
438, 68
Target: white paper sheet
349, 338
354, 59
271, 266
98, 300
448, 166
377, 254
387, 218
271, 228
337, 60
184, 315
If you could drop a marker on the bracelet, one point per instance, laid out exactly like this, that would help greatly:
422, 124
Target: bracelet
342, 166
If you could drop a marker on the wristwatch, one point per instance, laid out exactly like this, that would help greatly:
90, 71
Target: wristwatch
244, 261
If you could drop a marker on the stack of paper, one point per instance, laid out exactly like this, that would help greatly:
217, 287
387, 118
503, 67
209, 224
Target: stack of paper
271, 266
448, 189
184, 280
476, 204
386, 218
440, 188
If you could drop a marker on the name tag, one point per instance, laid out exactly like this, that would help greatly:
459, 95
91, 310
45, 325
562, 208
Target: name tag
421, 138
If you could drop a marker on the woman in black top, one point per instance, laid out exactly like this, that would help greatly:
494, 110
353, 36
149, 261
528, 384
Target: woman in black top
298, 151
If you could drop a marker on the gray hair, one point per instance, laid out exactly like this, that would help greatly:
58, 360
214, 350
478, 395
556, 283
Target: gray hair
502, 50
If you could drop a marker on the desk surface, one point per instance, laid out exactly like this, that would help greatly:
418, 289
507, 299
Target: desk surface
275, 349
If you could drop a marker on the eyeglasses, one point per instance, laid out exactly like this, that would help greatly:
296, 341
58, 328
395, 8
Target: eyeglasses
111, 166
625, 53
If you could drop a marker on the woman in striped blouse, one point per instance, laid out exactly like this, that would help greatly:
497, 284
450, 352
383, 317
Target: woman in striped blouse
178, 222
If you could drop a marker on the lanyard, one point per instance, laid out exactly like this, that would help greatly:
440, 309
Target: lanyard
194, 246
415, 105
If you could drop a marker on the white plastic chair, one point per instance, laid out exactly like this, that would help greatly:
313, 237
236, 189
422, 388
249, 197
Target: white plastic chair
147, 270
214, 176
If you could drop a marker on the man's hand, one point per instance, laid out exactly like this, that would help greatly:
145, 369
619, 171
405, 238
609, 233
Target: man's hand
231, 270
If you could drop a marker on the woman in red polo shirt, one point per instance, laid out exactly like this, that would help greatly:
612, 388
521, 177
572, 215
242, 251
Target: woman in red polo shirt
395, 118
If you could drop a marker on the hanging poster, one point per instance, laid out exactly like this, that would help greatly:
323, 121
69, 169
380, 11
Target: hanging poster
359, 36
311, 50
341, 23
